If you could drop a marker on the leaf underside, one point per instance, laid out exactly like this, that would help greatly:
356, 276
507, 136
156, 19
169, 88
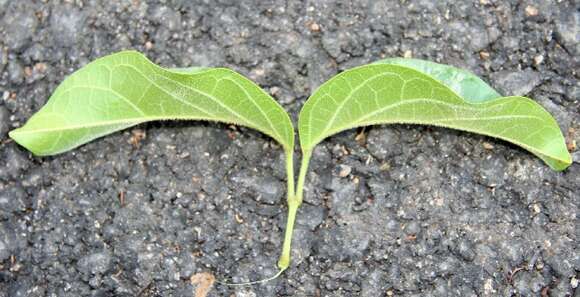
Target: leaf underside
125, 89
387, 93
464, 83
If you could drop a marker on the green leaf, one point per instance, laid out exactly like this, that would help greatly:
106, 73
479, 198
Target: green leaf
466, 84
383, 94
126, 89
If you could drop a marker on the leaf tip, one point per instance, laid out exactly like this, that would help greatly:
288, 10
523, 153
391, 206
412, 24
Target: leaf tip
27, 141
14, 135
561, 165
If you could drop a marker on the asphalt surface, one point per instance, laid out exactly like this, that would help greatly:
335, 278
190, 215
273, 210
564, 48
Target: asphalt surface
390, 210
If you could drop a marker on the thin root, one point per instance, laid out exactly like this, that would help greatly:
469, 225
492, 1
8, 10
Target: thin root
254, 282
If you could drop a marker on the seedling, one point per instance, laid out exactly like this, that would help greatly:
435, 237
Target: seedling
125, 89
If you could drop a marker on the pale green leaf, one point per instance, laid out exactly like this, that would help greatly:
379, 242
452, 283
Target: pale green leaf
126, 89
466, 84
383, 94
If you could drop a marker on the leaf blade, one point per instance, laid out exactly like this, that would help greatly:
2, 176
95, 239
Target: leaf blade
385, 93
466, 84
125, 89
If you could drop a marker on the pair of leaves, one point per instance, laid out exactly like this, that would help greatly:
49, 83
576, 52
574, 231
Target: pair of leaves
126, 89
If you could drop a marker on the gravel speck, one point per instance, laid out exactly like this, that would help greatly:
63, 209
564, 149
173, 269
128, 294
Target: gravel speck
8, 244
383, 143
568, 30
15, 163
3, 58
16, 72
518, 83
66, 25
465, 249
4, 121
573, 92
311, 216
19, 24
343, 170
12, 198
96, 263
264, 189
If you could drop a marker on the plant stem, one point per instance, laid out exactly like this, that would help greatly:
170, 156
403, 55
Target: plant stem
290, 172
294, 202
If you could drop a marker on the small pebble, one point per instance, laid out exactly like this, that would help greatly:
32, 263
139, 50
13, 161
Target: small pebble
466, 250
531, 11
15, 72
536, 208
344, 170
484, 55
314, 27
96, 263
488, 146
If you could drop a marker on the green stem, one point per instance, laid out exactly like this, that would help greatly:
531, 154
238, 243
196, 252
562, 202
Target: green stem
290, 172
302, 175
294, 202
